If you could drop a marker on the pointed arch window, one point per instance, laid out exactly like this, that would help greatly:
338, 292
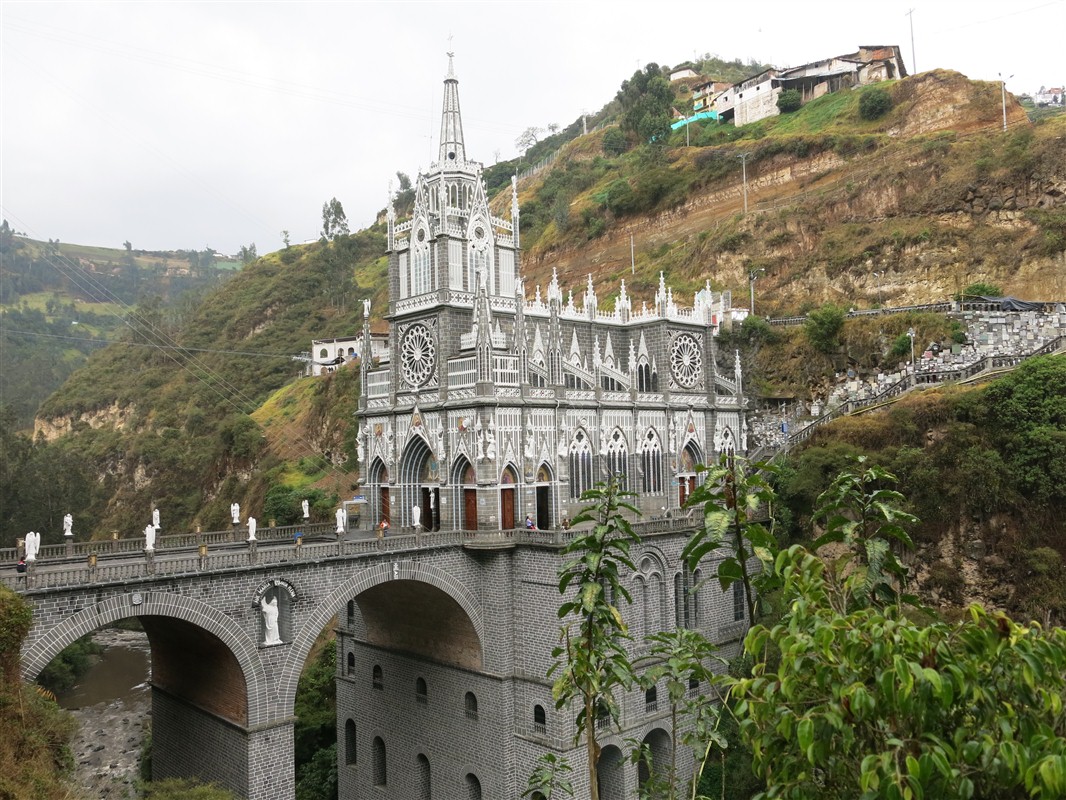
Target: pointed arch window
580, 465
420, 264
651, 462
381, 773
618, 457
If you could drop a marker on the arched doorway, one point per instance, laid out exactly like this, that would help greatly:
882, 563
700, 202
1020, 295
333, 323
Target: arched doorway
464, 479
378, 480
686, 472
545, 481
611, 769
418, 476
508, 504
655, 762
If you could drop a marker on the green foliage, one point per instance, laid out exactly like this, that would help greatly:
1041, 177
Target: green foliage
982, 290
550, 778
242, 437
860, 512
824, 326
733, 494
334, 220
756, 330
614, 142
65, 669
789, 100
867, 703
874, 103
316, 707
901, 347
591, 660
183, 789
16, 618
317, 779
646, 99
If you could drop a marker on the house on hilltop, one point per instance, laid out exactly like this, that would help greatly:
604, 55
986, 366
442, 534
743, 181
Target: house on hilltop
755, 98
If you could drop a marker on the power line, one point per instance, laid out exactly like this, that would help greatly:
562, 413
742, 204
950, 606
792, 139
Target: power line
143, 344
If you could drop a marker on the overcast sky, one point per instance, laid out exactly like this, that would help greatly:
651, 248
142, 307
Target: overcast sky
186, 125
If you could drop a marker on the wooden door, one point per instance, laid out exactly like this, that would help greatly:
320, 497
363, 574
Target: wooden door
507, 508
470, 509
544, 514
386, 511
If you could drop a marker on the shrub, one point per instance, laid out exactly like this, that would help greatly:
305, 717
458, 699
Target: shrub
789, 100
823, 327
982, 290
874, 103
614, 142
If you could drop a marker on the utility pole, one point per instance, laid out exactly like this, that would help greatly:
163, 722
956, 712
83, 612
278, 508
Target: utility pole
632, 257
752, 276
744, 171
914, 61
910, 333
1003, 97
878, 275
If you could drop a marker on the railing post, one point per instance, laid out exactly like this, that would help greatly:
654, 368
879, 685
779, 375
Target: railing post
203, 556
252, 551
92, 559
149, 558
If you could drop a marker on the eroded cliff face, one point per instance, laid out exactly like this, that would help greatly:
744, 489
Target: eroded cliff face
114, 416
938, 200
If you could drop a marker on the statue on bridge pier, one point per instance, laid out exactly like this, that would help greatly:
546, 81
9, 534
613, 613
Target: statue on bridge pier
416, 517
340, 520
33, 545
68, 525
155, 518
271, 632
149, 538
251, 529
307, 510
235, 513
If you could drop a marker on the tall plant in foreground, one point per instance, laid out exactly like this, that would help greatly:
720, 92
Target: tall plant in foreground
734, 495
863, 514
591, 659
865, 703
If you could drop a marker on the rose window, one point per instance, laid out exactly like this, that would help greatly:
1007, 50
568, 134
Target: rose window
417, 355
686, 361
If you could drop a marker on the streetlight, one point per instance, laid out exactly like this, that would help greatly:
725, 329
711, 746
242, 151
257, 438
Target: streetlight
910, 333
1003, 96
752, 276
879, 275
744, 171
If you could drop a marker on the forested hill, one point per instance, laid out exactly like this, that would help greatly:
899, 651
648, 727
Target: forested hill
162, 416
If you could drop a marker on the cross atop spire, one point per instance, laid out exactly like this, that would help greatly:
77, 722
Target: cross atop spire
452, 148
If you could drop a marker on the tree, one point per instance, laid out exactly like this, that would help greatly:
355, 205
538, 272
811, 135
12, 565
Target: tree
823, 327
248, 254
529, 137
646, 99
334, 222
404, 180
981, 289
874, 103
868, 703
285, 238
614, 142
865, 516
789, 100
591, 660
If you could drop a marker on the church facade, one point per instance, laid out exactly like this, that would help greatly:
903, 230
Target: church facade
490, 407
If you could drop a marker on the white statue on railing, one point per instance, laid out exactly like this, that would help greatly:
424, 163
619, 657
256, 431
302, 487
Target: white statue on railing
416, 517
33, 545
149, 538
271, 632
307, 510
251, 529
155, 518
340, 520
235, 513
68, 525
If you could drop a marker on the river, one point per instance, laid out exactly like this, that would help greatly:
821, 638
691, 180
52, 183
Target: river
112, 703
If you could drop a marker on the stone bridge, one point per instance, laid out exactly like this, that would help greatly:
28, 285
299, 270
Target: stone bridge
223, 699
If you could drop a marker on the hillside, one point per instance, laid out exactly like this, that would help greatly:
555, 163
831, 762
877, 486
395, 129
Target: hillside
932, 194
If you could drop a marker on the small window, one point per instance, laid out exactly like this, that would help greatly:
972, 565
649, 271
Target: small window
651, 699
473, 787
351, 613
425, 788
349, 743
539, 721
379, 682
381, 774
693, 687
421, 694
351, 663
471, 705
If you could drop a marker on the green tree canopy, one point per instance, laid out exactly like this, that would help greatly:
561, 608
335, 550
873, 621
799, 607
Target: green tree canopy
646, 99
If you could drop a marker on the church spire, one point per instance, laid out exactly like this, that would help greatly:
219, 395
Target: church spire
452, 149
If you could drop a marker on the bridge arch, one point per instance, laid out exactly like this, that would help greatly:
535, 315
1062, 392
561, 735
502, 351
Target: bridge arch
369, 578
260, 708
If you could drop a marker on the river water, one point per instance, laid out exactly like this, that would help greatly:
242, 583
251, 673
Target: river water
112, 703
